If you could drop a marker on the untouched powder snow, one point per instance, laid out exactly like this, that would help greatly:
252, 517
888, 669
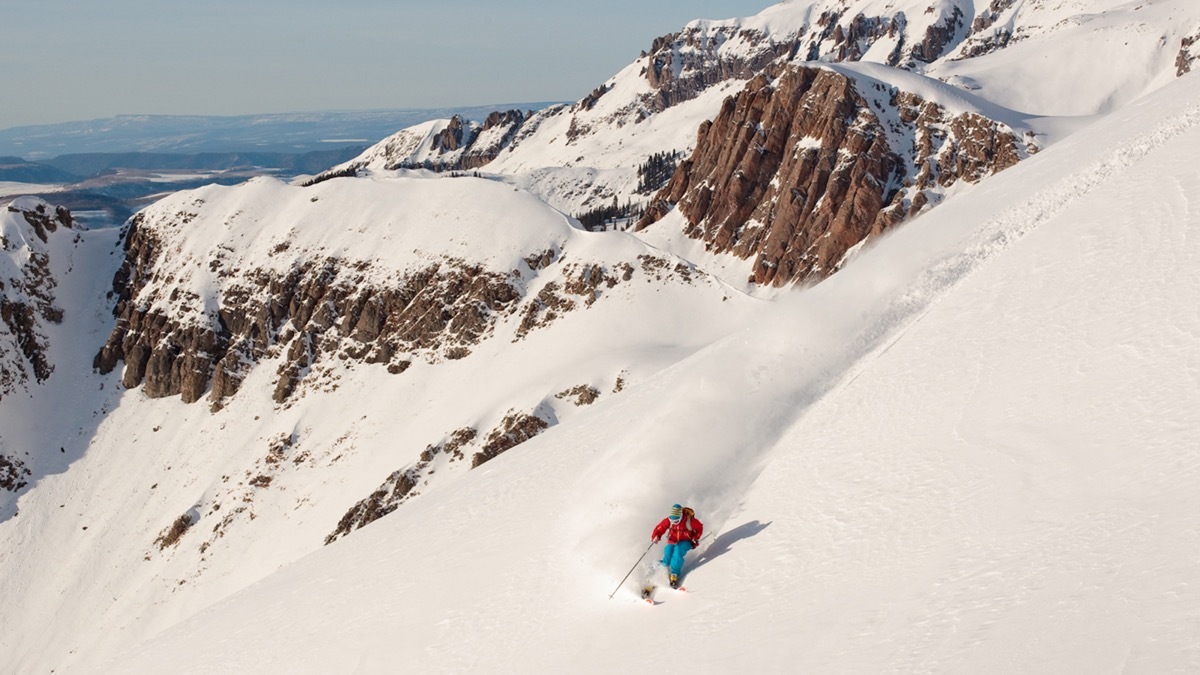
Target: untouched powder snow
973, 450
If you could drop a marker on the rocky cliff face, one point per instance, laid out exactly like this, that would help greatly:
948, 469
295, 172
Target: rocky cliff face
315, 315
27, 290
800, 167
465, 145
682, 65
319, 313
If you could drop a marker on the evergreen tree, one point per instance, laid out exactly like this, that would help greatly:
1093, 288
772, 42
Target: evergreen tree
656, 171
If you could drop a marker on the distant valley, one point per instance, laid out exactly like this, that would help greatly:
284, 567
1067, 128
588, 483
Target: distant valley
105, 170
292, 133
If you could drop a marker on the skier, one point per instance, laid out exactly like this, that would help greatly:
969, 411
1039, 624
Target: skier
683, 534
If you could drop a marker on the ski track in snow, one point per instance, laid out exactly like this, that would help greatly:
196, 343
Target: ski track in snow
1000, 233
809, 352
996, 575
769, 376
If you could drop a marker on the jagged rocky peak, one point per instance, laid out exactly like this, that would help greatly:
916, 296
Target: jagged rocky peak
902, 34
454, 144
679, 67
27, 289
807, 162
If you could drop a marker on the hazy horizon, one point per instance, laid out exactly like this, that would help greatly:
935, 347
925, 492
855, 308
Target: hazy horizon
227, 59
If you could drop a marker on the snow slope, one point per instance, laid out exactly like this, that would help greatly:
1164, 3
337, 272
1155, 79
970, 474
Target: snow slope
1048, 63
973, 450
83, 567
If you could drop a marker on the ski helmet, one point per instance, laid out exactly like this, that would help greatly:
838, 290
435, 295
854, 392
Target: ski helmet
676, 513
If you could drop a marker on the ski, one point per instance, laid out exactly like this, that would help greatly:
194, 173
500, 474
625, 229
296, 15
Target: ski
648, 594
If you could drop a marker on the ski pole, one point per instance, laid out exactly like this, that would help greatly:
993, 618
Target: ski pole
631, 569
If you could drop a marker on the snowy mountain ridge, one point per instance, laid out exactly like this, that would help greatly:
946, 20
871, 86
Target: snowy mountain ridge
956, 55
263, 276
431, 399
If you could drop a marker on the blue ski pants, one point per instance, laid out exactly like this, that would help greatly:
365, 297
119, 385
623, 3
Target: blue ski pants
673, 556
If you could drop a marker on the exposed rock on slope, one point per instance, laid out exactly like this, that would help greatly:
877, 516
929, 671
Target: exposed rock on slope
198, 307
681, 65
13, 474
404, 484
455, 144
318, 309
614, 128
799, 168
27, 285
1189, 52
401, 485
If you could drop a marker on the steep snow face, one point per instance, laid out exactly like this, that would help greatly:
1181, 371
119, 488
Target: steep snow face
29, 229
1066, 58
341, 387
975, 449
53, 277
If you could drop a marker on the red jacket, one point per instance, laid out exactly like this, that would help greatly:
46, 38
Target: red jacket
687, 529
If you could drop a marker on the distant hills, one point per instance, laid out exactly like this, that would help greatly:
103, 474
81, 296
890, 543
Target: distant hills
104, 170
93, 163
292, 133
18, 170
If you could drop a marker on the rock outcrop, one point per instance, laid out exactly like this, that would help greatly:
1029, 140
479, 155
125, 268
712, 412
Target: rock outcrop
13, 474
1189, 52
681, 65
798, 168
313, 311
403, 484
27, 290
456, 144
318, 311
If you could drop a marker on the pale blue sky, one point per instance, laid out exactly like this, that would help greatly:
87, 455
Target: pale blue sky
82, 59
